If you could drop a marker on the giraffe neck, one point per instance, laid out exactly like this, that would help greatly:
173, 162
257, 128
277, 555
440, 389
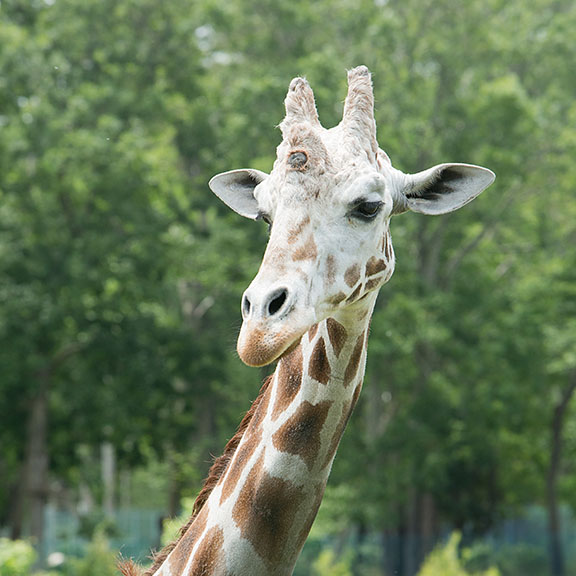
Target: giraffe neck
256, 519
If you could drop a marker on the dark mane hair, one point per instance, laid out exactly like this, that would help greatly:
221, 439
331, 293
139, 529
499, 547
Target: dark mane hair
217, 470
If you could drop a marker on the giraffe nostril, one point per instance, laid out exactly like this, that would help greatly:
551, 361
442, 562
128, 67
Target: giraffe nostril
277, 301
246, 306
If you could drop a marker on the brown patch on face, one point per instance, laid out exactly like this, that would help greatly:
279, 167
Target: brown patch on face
388, 249
354, 361
181, 553
375, 265
306, 252
371, 284
337, 299
252, 352
312, 332
354, 294
242, 456
352, 275
258, 345
300, 434
289, 380
209, 558
275, 259
330, 272
383, 243
337, 335
296, 232
264, 511
319, 367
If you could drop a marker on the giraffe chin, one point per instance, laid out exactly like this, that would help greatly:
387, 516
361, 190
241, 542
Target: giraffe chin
258, 346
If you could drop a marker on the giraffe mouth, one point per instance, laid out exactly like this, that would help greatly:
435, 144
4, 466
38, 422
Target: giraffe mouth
259, 345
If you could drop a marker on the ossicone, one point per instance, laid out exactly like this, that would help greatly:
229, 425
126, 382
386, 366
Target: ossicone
358, 118
300, 105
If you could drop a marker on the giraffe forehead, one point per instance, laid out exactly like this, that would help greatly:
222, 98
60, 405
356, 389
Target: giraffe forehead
314, 163
302, 191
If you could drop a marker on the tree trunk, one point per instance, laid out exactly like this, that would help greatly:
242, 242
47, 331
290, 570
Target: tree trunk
35, 491
428, 525
555, 547
16, 513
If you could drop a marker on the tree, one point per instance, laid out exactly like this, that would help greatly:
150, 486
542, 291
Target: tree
101, 141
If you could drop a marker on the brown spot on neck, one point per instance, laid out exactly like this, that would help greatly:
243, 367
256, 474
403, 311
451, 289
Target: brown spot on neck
209, 558
289, 380
265, 511
237, 465
181, 554
337, 335
354, 362
338, 432
312, 512
312, 332
300, 434
319, 366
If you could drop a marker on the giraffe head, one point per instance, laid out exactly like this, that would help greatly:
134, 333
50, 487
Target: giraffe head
328, 202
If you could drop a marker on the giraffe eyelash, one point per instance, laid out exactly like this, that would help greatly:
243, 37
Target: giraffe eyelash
366, 210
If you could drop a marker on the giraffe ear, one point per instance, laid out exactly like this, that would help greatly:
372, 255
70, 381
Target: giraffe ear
446, 187
236, 190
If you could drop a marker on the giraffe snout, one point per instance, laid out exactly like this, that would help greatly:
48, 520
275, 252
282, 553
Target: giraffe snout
274, 319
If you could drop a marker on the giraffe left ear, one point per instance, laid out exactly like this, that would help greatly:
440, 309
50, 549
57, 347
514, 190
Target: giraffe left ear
446, 187
236, 190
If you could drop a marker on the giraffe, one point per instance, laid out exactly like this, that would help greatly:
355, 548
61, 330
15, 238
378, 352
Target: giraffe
328, 202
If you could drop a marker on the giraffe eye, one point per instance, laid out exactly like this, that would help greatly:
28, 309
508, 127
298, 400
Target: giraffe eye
367, 210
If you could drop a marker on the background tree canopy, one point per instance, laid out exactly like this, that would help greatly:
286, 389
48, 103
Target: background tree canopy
121, 274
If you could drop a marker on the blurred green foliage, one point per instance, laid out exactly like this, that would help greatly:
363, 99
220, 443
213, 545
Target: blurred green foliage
98, 559
16, 557
446, 560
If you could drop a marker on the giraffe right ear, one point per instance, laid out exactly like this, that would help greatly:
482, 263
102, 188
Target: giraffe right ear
236, 190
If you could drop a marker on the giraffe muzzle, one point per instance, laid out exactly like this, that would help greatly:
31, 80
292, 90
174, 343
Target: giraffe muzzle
272, 323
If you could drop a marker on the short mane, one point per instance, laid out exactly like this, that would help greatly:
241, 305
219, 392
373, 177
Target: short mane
217, 470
